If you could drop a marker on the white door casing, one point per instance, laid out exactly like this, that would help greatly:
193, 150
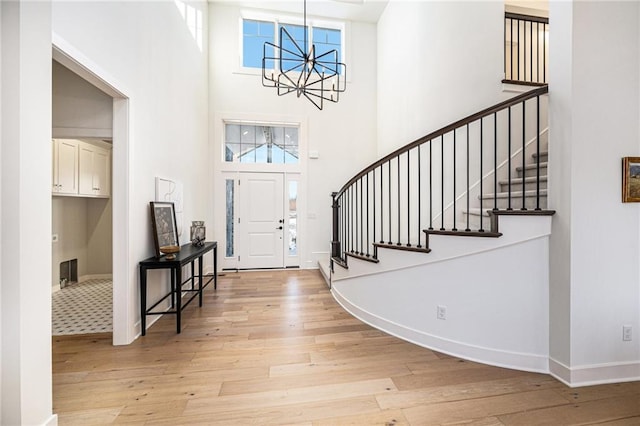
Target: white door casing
261, 220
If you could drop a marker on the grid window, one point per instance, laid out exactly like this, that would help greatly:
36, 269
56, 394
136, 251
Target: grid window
248, 143
326, 40
254, 35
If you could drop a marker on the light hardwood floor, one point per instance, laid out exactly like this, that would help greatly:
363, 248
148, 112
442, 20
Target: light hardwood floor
275, 348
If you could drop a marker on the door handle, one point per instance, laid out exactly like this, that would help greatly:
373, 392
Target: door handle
281, 221
279, 227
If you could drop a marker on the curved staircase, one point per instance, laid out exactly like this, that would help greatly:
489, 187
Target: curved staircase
398, 264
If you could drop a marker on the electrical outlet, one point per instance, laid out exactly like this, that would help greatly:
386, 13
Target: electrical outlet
441, 312
626, 333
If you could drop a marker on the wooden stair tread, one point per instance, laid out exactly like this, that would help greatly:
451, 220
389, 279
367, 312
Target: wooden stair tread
403, 247
364, 257
463, 233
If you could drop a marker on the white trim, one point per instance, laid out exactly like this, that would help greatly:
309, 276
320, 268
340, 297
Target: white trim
124, 287
227, 170
51, 421
596, 374
496, 357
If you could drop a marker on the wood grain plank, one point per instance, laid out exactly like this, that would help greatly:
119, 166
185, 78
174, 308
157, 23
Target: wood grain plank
494, 406
602, 410
273, 347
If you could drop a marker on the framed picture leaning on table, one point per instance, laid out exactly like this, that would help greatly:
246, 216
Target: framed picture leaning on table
165, 230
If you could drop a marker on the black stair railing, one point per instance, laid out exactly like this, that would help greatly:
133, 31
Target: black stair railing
446, 181
525, 49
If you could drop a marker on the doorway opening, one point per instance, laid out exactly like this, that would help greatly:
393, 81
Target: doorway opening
122, 293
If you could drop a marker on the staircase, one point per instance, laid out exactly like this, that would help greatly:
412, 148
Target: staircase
397, 259
511, 194
455, 181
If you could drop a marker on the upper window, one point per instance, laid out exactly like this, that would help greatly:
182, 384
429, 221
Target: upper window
250, 143
256, 32
254, 35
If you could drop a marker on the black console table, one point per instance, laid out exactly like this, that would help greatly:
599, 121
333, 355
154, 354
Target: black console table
188, 254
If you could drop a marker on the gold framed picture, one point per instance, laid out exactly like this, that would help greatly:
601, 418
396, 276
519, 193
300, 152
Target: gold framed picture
631, 179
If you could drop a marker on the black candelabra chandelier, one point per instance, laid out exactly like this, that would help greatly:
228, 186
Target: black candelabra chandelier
317, 78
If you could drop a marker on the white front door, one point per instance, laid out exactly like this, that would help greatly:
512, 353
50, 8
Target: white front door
261, 221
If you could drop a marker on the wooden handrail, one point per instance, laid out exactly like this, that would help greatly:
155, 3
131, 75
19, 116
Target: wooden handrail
530, 18
453, 126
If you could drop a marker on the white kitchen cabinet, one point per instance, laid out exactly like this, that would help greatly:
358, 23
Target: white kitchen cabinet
65, 166
81, 169
94, 171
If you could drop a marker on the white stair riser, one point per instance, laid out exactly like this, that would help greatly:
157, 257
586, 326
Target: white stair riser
532, 171
516, 202
530, 186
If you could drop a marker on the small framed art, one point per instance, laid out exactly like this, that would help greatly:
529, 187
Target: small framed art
165, 230
631, 179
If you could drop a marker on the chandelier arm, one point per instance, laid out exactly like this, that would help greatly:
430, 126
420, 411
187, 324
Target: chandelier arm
311, 72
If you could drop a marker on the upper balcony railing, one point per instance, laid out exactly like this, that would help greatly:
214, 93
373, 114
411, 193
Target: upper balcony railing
526, 49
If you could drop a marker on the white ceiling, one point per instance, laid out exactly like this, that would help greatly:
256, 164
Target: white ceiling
351, 10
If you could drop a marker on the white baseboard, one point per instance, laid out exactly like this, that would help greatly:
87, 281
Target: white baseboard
52, 421
598, 374
490, 356
87, 277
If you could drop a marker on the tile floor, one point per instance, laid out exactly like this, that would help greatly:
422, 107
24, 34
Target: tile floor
83, 308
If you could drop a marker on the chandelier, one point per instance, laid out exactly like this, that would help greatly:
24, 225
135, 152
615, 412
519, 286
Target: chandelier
318, 78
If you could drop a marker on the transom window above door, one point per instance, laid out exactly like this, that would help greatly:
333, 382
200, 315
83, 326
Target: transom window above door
261, 144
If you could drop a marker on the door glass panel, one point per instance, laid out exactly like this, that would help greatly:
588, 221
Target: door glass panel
230, 217
293, 218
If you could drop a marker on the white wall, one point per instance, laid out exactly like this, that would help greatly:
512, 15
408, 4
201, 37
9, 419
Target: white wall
595, 281
79, 108
153, 54
26, 214
160, 60
342, 133
499, 320
437, 62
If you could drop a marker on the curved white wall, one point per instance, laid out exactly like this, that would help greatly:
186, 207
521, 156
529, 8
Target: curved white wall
495, 292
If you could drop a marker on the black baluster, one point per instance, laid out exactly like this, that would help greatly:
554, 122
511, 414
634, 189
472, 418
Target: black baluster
538, 151
495, 162
442, 182
419, 196
468, 229
367, 215
373, 208
538, 52
504, 59
544, 54
518, 49
430, 185
481, 169
408, 201
531, 48
390, 242
354, 248
454, 181
511, 50
399, 208
524, 133
509, 159
361, 219
381, 206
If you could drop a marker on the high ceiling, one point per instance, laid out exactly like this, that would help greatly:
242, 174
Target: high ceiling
352, 10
